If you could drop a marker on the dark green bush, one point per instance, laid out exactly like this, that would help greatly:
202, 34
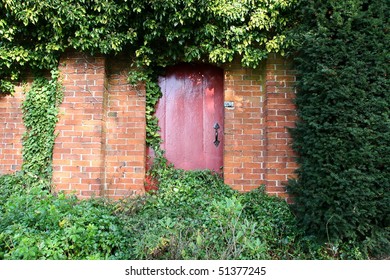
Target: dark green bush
343, 136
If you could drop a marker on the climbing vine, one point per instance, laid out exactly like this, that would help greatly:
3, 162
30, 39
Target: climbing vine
33, 34
153, 93
40, 115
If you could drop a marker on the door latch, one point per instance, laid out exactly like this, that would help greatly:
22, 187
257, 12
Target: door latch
216, 141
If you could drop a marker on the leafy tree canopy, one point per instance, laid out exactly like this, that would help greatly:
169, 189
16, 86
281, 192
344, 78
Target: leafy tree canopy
33, 34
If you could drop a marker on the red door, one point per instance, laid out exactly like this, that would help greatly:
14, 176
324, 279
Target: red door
190, 115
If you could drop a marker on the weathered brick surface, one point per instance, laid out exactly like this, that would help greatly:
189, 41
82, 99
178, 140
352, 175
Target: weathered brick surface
124, 129
280, 115
257, 141
11, 131
244, 127
100, 148
77, 157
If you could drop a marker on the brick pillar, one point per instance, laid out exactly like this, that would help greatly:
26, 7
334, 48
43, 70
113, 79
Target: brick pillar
77, 156
280, 115
125, 133
11, 131
244, 127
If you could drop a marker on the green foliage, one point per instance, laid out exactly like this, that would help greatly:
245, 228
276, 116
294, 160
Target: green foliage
33, 34
40, 110
10, 184
153, 94
343, 136
149, 77
194, 215
215, 31
275, 223
35, 224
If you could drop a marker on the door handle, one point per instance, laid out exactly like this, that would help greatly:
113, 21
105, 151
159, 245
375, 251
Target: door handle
216, 141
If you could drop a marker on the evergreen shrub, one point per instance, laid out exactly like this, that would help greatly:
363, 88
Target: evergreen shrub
343, 136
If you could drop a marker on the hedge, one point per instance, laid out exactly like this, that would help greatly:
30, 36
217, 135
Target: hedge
343, 136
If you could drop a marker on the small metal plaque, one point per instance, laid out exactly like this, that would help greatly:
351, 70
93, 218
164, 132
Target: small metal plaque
228, 104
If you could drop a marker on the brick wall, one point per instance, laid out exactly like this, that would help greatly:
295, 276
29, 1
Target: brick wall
77, 157
257, 142
101, 132
100, 148
125, 133
279, 116
244, 127
11, 131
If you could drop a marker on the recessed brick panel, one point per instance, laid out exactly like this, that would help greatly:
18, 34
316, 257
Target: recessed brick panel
100, 148
280, 115
257, 141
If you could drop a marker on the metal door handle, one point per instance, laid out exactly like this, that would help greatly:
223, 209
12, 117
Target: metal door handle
216, 141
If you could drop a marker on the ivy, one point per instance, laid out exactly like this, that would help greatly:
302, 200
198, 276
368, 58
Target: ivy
149, 77
40, 115
153, 94
33, 34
